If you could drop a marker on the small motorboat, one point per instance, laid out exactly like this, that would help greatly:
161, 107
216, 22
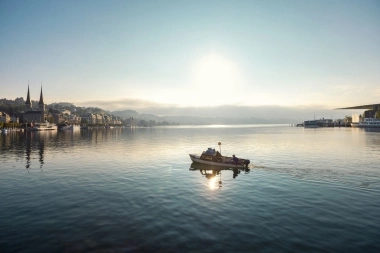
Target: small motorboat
215, 158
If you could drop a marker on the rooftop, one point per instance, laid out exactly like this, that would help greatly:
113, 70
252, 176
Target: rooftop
368, 107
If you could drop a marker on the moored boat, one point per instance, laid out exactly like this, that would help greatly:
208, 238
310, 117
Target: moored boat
354, 124
311, 124
367, 122
214, 158
44, 126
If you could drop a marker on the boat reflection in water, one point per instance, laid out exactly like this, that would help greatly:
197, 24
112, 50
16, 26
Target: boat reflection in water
212, 172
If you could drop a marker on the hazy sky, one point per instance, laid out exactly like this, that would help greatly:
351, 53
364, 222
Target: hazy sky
190, 54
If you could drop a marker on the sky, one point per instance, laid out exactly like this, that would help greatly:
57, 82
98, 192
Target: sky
179, 57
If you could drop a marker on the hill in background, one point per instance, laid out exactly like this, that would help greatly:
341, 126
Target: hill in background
17, 106
195, 120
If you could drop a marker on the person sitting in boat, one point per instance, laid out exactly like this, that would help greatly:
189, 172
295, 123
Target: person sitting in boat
218, 157
235, 160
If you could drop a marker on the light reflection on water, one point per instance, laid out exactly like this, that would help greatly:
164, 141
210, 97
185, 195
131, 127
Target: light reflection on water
136, 190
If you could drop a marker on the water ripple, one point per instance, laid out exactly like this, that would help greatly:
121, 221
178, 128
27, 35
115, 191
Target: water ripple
131, 190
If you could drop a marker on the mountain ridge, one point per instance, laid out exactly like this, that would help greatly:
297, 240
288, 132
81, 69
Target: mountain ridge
199, 120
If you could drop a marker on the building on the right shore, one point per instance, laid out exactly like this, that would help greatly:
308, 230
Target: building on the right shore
370, 117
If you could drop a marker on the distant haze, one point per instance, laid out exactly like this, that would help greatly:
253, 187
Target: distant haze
272, 59
298, 113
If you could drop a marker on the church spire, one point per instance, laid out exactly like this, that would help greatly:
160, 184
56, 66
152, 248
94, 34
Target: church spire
41, 97
28, 104
41, 106
28, 97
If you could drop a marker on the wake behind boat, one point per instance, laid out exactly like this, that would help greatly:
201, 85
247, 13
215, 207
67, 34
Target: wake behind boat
214, 158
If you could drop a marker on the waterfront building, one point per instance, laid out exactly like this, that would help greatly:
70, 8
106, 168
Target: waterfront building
370, 112
116, 122
326, 122
73, 119
59, 118
89, 118
4, 117
99, 119
107, 119
14, 119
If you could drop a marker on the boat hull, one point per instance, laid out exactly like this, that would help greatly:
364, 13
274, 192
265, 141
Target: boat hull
44, 127
196, 158
367, 123
311, 124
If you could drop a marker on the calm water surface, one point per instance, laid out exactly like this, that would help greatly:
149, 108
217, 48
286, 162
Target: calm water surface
136, 190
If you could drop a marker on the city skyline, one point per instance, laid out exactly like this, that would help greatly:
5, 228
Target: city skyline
187, 58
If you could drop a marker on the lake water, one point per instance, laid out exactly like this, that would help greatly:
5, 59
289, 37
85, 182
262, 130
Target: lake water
136, 190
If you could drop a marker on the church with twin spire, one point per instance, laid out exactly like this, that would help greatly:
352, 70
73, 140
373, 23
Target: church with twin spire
34, 115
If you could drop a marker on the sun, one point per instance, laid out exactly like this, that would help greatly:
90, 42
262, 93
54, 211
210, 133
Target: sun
215, 79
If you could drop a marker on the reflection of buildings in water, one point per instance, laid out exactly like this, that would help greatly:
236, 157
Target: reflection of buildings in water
371, 134
99, 135
372, 137
32, 146
35, 142
41, 153
31, 138
365, 129
28, 148
7, 139
70, 134
370, 129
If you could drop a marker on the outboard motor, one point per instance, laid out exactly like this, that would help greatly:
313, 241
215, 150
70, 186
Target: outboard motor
246, 162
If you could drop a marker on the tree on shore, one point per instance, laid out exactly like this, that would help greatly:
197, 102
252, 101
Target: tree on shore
347, 119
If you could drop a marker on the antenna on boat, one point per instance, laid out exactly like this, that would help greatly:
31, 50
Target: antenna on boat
220, 149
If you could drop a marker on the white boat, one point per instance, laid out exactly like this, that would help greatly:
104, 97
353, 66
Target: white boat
44, 126
355, 124
367, 122
214, 158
